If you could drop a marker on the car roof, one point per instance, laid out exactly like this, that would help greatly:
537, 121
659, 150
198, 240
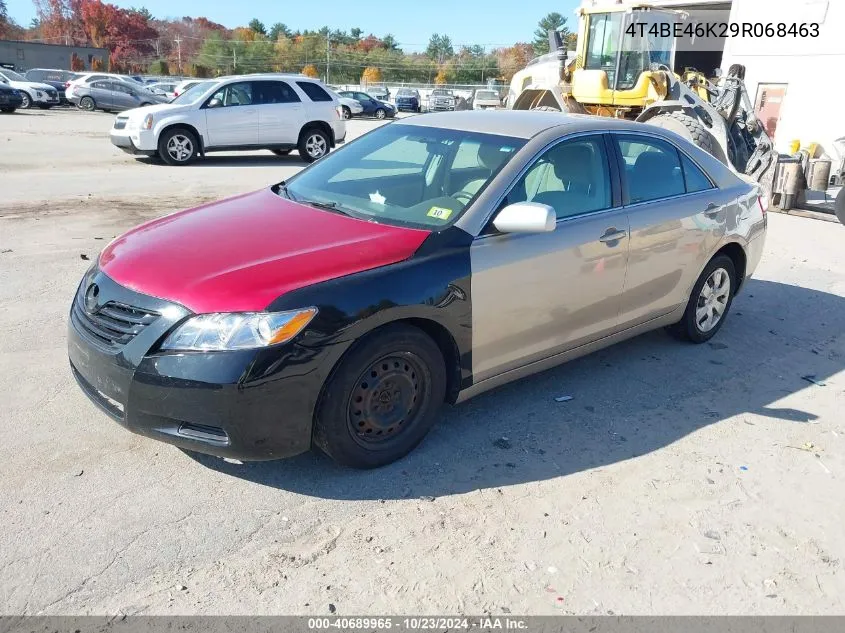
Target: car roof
520, 123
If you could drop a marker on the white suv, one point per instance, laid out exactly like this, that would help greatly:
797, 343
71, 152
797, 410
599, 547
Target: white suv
246, 112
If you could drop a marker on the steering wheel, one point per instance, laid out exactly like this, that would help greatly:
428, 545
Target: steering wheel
462, 196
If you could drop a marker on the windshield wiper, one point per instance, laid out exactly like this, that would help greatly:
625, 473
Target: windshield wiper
327, 205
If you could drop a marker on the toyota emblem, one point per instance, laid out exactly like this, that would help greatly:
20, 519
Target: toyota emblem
91, 303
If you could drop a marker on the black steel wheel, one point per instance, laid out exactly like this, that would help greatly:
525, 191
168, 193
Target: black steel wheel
382, 398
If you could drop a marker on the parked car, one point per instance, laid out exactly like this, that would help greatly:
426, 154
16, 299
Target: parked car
379, 92
349, 107
351, 301
441, 99
10, 99
163, 89
87, 78
184, 86
370, 105
485, 99
111, 95
408, 99
276, 112
33, 93
58, 79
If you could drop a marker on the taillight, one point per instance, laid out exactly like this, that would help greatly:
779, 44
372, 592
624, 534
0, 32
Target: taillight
763, 201
175, 93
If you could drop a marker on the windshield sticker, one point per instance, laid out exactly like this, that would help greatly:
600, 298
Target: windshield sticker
377, 198
440, 213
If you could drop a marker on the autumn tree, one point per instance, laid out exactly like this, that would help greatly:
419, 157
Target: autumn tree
512, 59
311, 71
371, 75
554, 21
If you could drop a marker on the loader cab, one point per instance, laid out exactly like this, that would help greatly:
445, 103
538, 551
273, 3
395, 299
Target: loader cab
618, 53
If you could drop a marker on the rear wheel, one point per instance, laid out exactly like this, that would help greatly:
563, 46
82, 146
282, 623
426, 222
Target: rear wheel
178, 147
379, 113
87, 104
690, 128
709, 301
313, 144
382, 399
27, 101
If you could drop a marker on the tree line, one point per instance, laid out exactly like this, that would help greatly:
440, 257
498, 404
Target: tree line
138, 42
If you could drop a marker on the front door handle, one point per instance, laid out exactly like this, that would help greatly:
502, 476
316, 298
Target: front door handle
712, 210
612, 235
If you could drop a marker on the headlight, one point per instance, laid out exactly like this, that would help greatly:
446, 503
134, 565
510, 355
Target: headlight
148, 122
238, 330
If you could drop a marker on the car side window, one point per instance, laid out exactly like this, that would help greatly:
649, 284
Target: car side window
235, 94
694, 178
360, 96
118, 87
273, 92
652, 169
314, 92
101, 85
572, 177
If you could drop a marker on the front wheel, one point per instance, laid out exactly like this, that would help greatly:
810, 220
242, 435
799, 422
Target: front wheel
178, 147
87, 104
380, 113
709, 301
382, 399
27, 101
313, 144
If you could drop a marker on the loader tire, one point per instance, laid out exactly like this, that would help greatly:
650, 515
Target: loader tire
688, 127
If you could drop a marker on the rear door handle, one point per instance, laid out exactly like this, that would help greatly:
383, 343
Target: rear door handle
712, 210
612, 235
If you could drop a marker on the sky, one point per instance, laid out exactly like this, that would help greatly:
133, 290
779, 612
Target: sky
491, 23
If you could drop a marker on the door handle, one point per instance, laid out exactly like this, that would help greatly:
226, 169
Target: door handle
612, 235
712, 210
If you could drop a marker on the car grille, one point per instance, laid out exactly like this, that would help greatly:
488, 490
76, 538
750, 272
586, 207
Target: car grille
52, 93
113, 324
119, 124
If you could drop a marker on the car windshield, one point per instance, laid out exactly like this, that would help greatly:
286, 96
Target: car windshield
486, 94
405, 174
195, 92
11, 75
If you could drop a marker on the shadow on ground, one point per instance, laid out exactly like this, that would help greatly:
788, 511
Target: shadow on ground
628, 400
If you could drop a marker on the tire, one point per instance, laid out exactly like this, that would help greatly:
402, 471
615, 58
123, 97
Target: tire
281, 152
313, 144
688, 127
689, 328
347, 113
357, 423
839, 205
178, 146
27, 100
379, 113
87, 104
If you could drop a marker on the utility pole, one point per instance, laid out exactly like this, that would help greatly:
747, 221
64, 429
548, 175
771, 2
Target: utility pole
234, 60
327, 59
178, 41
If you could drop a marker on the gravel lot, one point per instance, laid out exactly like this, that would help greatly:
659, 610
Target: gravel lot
679, 480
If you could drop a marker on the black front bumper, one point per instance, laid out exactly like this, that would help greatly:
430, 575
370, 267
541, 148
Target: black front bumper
125, 143
246, 404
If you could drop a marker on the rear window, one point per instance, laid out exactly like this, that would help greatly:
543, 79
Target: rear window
486, 94
314, 92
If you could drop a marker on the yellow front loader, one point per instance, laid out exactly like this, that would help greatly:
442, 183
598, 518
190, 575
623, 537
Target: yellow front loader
623, 67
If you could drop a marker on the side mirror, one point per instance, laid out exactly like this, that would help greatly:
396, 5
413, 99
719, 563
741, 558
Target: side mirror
526, 217
215, 103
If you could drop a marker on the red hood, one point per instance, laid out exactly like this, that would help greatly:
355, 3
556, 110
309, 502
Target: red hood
240, 254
